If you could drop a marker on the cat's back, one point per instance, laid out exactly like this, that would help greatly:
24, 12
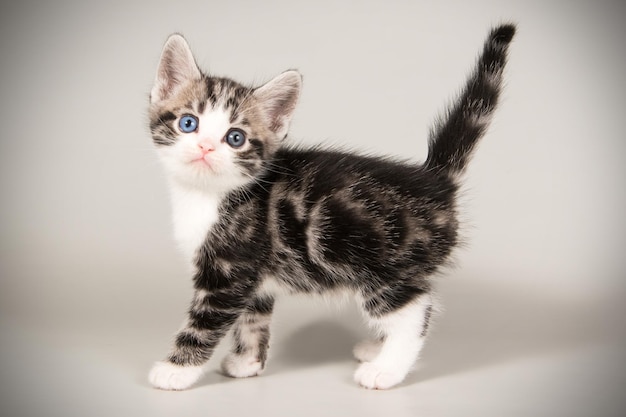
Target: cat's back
322, 172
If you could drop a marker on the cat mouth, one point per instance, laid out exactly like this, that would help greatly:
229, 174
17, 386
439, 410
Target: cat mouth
202, 162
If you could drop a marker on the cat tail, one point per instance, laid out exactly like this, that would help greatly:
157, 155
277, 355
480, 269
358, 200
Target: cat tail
454, 136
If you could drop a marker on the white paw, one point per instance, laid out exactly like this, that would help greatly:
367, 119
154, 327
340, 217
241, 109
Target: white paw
240, 366
371, 376
366, 350
166, 375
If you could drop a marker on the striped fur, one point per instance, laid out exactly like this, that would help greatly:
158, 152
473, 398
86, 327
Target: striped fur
455, 136
263, 218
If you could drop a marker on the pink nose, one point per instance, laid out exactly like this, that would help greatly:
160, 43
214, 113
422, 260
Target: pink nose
206, 146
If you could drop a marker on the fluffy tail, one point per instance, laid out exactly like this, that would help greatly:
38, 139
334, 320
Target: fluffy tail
454, 137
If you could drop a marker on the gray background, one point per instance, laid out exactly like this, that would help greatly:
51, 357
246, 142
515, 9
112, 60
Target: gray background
92, 288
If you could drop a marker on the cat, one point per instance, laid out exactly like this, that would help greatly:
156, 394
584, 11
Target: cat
257, 218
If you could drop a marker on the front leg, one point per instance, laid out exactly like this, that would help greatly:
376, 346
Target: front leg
251, 339
211, 315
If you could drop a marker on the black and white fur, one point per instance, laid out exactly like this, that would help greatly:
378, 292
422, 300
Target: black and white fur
264, 218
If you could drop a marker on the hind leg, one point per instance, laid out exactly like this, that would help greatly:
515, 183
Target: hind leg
367, 350
403, 330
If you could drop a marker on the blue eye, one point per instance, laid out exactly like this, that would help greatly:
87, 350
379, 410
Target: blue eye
188, 123
235, 138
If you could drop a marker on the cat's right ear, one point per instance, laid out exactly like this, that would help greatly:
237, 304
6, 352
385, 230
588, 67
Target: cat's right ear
176, 67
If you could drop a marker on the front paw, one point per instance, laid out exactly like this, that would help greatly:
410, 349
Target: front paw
168, 376
241, 366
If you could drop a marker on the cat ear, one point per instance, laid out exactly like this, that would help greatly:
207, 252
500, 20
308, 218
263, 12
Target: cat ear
278, 100
176, 67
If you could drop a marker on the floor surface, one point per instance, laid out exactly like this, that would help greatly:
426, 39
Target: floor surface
485, 357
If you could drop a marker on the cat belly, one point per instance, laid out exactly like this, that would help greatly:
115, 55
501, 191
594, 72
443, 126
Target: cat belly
277, 287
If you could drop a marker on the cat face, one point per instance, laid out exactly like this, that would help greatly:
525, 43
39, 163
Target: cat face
214, 133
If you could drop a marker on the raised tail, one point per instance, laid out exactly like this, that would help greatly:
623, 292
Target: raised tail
454, 136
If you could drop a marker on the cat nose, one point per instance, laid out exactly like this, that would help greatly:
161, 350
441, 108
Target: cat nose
206, 146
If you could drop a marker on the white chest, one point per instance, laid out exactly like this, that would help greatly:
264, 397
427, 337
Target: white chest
194, 213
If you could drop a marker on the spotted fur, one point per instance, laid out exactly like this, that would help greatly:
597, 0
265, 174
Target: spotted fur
266, 218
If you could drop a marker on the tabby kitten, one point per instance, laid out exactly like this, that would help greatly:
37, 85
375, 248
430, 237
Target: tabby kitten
257, 218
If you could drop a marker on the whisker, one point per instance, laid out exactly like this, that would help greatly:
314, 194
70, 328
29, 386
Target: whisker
278, 169
257, 181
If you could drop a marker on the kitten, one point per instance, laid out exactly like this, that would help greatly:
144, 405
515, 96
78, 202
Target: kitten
256, 217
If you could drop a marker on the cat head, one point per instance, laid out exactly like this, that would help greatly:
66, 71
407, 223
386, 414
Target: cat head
214, 133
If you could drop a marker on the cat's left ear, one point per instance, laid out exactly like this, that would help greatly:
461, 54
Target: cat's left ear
278, 100
176, 68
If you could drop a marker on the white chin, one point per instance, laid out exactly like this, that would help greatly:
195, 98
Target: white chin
204, 178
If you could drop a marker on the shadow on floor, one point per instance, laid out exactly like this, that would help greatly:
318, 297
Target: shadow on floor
315, 344
487, 323
482, 324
